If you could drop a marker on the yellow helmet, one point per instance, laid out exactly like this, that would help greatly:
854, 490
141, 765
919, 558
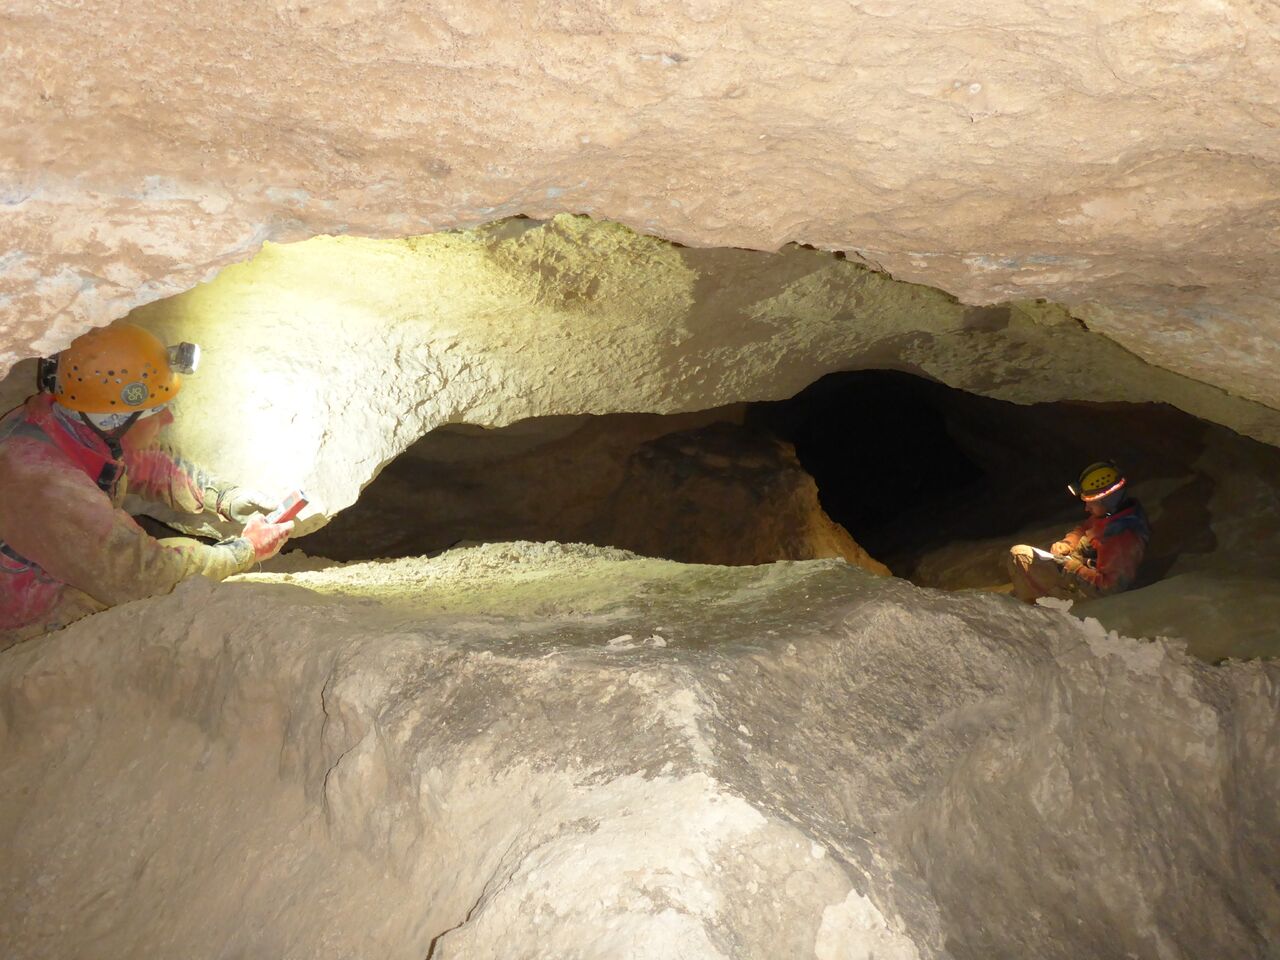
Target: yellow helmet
116, 369
1097, 480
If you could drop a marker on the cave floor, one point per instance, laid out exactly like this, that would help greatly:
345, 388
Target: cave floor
590, 753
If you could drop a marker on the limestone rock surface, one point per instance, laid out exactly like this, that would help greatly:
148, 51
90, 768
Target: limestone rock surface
543, 751
1120, 158
739, 497
698, 488
325, 359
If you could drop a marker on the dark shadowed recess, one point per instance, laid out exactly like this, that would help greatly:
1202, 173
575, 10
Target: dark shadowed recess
909, 465
916, 471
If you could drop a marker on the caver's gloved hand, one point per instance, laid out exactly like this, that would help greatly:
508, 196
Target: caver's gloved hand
1061, 549
267, 538
241, 503
1072, 564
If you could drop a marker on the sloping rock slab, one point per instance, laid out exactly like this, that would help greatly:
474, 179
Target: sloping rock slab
526, 750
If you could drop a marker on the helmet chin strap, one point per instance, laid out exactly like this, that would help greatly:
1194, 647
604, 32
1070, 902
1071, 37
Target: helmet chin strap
112, 438
1112, 503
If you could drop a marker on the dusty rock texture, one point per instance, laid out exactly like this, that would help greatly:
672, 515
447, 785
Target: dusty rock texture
699, 488
1119, 158
572, 749
325, 359
1211, 574
542, 751
739, 498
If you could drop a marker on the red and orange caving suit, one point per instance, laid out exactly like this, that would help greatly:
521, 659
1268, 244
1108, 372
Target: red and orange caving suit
67, 549
1111, 547
1103, 555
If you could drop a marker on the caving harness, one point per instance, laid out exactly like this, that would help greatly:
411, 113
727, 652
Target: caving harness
41, 423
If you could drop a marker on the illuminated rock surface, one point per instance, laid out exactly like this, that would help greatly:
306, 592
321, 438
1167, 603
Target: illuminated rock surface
1120, 158
325, 359
698, 488
558, 751
543, 751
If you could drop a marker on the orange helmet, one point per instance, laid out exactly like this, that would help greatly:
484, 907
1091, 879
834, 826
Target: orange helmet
116, 369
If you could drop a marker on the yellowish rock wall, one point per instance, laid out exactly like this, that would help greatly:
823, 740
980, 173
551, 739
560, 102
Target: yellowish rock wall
1120, 158
326, 358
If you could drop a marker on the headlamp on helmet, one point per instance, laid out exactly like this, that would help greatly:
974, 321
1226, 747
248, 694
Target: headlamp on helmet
117, 369
184, 357
1098, 480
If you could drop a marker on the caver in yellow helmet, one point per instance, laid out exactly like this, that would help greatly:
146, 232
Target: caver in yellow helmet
120, 369
1097, 480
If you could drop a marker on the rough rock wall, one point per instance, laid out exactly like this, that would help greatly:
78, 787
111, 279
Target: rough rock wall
1117, 157
1211, 571
698, 488
732, 496
543, 751
325, 359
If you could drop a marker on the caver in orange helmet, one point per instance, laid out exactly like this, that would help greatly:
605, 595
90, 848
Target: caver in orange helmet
116, 369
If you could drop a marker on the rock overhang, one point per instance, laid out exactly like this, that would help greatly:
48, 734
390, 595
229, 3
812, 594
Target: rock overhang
324, 359
1121, 161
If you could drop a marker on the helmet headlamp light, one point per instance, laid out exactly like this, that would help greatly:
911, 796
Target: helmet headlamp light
184, 357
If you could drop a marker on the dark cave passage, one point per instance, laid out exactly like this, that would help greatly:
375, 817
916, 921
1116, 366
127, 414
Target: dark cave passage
911, 466
879, 447
931, 481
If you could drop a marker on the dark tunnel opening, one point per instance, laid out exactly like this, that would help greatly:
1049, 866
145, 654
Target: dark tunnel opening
913, 467
914, 470
878, 445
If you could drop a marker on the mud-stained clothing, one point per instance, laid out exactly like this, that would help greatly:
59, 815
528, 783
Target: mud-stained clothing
66, 547
1034, 576
1103, 555
1110, 548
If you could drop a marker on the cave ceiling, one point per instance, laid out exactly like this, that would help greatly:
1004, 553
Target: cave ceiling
325, 358
1120, 159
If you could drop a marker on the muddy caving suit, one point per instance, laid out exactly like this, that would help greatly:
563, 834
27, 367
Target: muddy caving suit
66, 547
1109, 548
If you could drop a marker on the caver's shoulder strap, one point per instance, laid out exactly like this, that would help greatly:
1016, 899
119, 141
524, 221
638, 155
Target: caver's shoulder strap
37, 423
39, 420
